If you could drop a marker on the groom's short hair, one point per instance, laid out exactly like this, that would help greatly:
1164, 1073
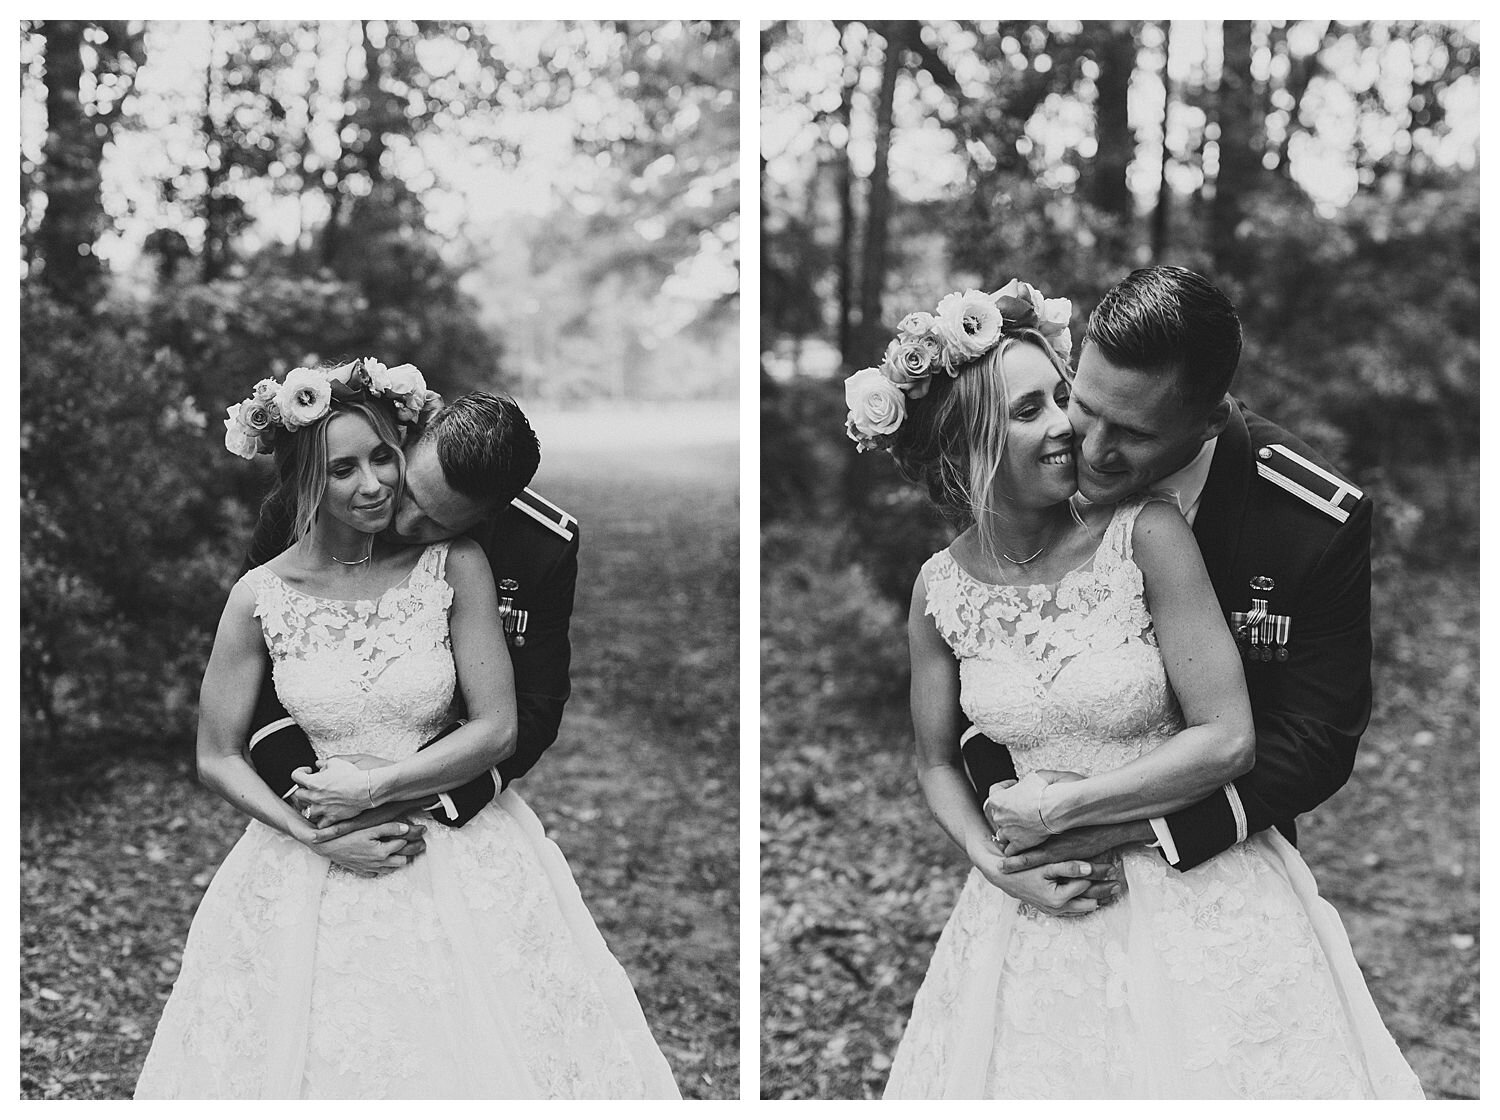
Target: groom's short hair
1169, 320
485, 446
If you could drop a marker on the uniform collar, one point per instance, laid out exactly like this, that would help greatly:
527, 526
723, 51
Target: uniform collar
1186, 485
1226, 494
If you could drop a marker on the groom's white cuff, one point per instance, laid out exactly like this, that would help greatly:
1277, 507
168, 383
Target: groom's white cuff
1164, 839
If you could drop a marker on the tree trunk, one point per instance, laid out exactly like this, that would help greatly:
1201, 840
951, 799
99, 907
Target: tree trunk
370, 144
1239, 149
70, 178
215, 237
878, 209
1161, 217
1109, 189
844, 179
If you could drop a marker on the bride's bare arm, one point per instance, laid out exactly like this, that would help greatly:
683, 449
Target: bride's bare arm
484, 675
934, 704
226, 702
1063, 887
1203, 666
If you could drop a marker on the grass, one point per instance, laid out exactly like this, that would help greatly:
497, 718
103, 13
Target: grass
857, 880
641, 793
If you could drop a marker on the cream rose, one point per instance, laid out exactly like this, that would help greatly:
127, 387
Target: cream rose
909, 361
304, 397
918, 323
253, 415
398, 381
968, 324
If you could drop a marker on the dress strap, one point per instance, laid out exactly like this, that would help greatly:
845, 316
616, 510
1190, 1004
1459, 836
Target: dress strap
435, 559
1119, 535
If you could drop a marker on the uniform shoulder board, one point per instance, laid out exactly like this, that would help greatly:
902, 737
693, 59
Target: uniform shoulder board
1304, 479
529, 502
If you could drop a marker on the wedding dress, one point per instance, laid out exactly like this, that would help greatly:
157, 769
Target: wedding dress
475, 972
1230, 980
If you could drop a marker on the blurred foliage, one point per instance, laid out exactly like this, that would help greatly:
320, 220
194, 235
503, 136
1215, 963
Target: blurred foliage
126, 538
1361, 316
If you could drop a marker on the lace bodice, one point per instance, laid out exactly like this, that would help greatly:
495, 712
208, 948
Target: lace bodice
331, 660
1068, 676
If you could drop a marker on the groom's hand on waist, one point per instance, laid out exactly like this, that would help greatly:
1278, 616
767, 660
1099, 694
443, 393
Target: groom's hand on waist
1093, 842
373, 850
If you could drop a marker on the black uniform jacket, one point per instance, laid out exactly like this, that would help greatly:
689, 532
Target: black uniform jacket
1274, 512
532, 547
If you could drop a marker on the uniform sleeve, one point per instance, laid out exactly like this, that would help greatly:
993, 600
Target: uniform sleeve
541, 665
986, 761
277, 745
542, 688
1310, 710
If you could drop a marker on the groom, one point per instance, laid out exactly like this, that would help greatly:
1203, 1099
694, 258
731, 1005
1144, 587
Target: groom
1285, 539
467, 473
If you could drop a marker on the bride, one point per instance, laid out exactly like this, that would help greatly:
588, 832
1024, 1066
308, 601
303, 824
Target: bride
1088, 639
475, 971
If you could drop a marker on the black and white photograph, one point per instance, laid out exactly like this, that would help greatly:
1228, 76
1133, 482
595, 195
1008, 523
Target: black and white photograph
1119, 559
379, 559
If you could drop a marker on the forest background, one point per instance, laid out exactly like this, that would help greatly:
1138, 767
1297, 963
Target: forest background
1326, 176
549, 209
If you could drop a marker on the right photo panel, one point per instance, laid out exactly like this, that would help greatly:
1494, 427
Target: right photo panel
1120, 559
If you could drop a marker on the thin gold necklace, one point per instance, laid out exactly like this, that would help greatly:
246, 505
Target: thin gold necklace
1008, 556
369, 551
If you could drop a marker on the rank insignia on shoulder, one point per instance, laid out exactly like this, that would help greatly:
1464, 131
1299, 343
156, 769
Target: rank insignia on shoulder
1306, 480
539, 509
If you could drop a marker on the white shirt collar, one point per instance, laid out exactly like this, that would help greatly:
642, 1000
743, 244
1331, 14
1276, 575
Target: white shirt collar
1187, 484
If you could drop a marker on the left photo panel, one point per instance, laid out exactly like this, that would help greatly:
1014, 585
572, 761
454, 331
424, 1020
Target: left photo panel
379, 559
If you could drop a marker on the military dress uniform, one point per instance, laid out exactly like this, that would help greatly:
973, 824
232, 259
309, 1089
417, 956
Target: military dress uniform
1286, 541
532, 547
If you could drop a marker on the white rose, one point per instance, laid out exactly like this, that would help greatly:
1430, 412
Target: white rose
265, 390
968, 324
238, 439
304, 397
876, 405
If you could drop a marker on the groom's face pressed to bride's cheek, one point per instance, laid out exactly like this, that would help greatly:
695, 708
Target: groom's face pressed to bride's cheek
1130, 429
430, 509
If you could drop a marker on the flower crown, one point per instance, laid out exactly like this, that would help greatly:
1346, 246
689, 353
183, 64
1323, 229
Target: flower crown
966, 327
305, 396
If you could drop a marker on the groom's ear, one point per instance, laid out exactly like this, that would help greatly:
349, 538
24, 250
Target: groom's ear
1216, 420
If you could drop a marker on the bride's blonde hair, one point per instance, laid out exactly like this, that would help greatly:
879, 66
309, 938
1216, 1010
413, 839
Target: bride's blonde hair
302, 460
953, 439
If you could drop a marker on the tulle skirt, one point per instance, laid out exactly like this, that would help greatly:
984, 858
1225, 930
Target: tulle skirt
1231, 980
474, 973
